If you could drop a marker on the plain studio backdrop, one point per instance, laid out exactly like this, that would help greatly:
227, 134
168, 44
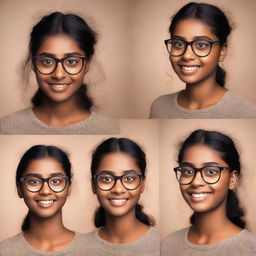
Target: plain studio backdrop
131, 66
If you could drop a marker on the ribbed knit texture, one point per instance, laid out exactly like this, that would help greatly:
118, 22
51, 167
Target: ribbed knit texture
18, 246
230, 106
25, 122
148, 245
177, 244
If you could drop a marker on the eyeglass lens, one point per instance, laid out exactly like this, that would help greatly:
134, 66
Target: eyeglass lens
35, 184
46, 65
186, 174
107, 181
177, 47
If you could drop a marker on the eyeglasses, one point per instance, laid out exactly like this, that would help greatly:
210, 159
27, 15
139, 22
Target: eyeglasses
56, 183
210, 174
130, 181
46, 65
177, 47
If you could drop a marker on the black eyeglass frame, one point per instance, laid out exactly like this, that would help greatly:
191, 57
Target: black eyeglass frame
211, 42
196, 170
57, 61
117, 178
22, 179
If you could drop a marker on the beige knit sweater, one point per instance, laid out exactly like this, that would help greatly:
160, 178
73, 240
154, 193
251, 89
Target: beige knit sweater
25, 122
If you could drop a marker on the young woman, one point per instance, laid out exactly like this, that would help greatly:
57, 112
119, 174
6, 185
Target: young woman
60, 50
208, 173
118, 179
43, 180
198, 43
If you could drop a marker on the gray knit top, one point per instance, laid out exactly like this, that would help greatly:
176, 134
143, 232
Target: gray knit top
18, 246
148, 245
177, 244
25, 122
230, 106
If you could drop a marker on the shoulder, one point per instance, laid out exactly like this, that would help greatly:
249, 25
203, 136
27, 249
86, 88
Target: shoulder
100, 124
163, 104
240, 107
244, 238
174, 238
9, 124
11, 245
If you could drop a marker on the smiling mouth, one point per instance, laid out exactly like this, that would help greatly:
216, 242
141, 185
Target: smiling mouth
45, 203
118, 202
59, 86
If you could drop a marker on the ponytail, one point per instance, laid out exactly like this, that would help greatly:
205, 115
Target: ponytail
220, 76
100, 217
25, 223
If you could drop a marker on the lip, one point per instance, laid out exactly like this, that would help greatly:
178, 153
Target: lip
118, 202
188, 69
199, 196
45, 203
59, 87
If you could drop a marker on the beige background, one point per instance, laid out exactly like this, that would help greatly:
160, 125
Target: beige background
79, 208
174, 211
131, 66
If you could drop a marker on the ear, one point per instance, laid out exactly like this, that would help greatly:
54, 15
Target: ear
223, 52
87, 66
142, 185
20, 192
233, 181
93, 187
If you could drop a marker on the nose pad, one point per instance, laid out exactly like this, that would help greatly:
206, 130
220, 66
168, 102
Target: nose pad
189, 54
59, 72
198, 180
118, 188
45, 189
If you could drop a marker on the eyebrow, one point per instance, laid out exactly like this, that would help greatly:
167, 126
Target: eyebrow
113, 174
194, 38
40, 176
69, 54
203, 164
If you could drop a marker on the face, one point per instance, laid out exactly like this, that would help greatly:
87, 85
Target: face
118, 201
44, 203
190, 68
200, 196
60, 86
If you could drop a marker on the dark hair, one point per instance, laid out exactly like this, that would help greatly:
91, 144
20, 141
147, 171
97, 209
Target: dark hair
40, 152
228, 152
73, 26
130, 148
212, 16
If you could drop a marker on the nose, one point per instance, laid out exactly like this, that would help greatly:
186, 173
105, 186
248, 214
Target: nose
118, 188
198, 180
188, 54
45, 190
59, 72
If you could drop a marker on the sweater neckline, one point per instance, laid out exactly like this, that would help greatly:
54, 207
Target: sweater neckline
210, 246
75, 126
60, 252
223, 99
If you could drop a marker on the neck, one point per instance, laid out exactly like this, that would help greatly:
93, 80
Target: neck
123, 229
60, 113
212, 227
201, 95
45, 229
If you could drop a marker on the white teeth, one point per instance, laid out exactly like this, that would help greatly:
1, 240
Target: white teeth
190, 68
46, 202
201, 195
119, 201
59, 85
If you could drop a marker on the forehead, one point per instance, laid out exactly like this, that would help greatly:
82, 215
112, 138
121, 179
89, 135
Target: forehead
44, 167
59, 45
200, 154
118, 163
191, 28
